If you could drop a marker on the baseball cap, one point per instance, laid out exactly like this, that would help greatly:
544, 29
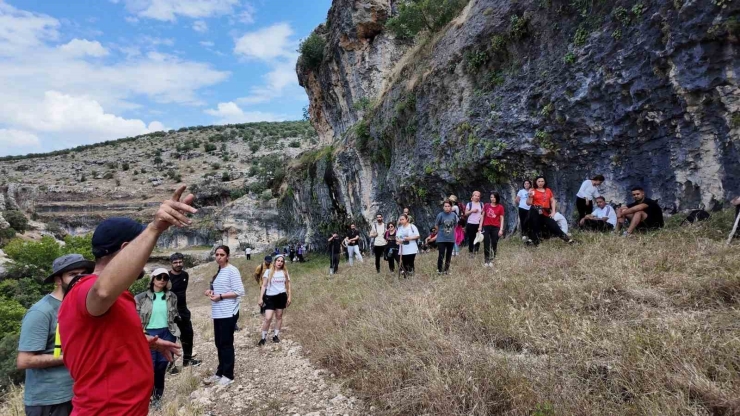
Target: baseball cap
112, 233
268, 259
69, 262
159, 271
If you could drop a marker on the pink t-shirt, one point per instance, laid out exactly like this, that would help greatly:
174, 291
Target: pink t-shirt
474, 218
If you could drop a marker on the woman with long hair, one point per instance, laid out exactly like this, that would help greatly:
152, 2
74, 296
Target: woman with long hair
542, 212
406, 237
157, 309
445, 222
276, 296
492, 227
459, 229
587, 194
225, 291
391, 249
521, 201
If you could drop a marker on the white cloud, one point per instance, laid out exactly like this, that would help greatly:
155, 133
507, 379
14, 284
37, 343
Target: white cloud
131, 19
21, 30
168, 10
18, 138
207, 44
281, 76
82, 47
247, 14
269, 43
200, 26
230, 113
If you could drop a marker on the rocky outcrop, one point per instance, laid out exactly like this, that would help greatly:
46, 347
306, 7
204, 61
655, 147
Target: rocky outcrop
645, 93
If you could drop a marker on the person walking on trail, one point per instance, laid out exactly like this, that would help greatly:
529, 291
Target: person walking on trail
48, 386
521, 201
391, 251
445, 222
275, 296
542, 213
225, 290
102, 340
157, 309
473, 211
587, 194
643, 214
248, 252
353, 240
335, 252
407, 236
603, 217
379, 243
492, 227
301, 251
258, 272
179, 279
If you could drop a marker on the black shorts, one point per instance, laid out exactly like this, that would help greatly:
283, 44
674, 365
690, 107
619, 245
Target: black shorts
276, 302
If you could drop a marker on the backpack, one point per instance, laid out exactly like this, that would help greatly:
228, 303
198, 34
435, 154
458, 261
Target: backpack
697, 215
461, 220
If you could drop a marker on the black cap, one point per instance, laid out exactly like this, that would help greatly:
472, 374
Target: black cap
268, 259
112, 233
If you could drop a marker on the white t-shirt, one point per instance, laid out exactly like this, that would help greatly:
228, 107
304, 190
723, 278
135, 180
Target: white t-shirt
277, 284
380, 230
607, 212
476, 217
228, 280
588, 191
562, 222
523, 194
409, 231
248, 251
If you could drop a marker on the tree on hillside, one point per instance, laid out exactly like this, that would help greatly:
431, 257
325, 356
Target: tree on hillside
416, 16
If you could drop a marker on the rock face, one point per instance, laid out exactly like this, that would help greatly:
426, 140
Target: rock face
644, 93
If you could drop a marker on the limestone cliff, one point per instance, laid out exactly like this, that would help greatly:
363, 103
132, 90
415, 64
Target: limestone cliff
644, 92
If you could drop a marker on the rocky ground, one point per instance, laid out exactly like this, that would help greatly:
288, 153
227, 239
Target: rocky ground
271, 380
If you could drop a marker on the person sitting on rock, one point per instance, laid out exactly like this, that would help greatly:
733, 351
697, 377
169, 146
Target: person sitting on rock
643, 214
587, 194
603, 217
431, 241
542, 212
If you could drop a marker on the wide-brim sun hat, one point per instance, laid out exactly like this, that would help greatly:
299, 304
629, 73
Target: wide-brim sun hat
69, 262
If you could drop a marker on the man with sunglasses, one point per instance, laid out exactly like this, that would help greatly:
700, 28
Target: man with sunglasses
643, 214
48, 383
102, 339
179, 279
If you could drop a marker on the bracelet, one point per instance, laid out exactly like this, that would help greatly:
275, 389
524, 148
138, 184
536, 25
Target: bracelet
222, 297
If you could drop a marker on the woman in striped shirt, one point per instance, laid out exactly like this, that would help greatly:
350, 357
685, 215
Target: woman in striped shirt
226, 289
275, 295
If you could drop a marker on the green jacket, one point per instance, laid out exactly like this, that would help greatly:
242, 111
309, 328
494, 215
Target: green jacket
144, 305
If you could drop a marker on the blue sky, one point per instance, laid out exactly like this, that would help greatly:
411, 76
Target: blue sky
82, 71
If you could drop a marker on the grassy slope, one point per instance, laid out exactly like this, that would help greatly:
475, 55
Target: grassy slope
646, 325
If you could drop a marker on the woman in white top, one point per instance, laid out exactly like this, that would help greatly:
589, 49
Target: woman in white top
226, 289
521, 202
276, 294
587, 194
406, 237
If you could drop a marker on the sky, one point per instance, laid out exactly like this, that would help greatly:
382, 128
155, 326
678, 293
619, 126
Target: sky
83, 71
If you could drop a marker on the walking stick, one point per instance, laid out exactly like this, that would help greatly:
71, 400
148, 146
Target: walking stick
401, 269
734, 229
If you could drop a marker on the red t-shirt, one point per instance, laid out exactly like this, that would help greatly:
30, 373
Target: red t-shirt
542, 198
107, 356
492, 215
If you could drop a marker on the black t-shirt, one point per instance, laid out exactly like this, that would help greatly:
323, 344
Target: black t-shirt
335, 245
352, 234
653, 211
180, 289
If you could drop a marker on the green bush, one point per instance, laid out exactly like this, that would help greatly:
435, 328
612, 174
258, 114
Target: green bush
294, 144
11, 314
9, 374
312, 50
17, 221
416, 16
139, 286
257, 188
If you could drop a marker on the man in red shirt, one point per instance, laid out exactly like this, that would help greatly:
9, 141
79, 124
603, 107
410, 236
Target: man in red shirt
103, 343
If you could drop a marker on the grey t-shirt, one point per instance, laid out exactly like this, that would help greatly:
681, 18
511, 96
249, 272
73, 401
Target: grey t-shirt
44, 386
446, 225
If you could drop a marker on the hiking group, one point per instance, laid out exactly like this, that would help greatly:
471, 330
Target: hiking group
458, 224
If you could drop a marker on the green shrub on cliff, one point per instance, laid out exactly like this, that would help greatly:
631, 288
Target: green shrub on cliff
312, 50
17, 220
416, 16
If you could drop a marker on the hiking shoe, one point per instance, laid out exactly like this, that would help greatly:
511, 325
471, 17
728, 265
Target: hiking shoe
261, 343
571, 241
174, 370
212, 379
192, 363
156, 404
225, 381
275, 339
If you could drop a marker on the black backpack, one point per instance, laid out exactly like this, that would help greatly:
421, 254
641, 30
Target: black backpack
697, 215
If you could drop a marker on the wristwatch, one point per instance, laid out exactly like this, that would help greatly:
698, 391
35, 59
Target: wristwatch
221, 296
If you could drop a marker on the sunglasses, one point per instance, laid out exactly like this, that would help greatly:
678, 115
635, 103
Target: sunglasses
161, 277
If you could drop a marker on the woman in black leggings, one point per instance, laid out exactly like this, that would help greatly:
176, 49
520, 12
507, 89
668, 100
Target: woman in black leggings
542, 211
391, 249
521, 202
407, 236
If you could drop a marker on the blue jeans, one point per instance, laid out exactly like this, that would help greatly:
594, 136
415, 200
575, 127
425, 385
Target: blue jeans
159, 360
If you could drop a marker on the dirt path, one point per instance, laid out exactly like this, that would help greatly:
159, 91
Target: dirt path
272, 380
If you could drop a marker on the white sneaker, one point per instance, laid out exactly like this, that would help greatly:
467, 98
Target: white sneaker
225, 381
524, 238
212, 379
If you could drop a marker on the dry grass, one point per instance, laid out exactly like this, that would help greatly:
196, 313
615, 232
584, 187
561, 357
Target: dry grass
11, 403
647, 325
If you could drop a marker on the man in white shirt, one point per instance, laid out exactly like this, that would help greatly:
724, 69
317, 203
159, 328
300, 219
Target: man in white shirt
248, 253
603, 218
587, 194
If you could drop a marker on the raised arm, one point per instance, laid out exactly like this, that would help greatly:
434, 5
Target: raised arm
126, 266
